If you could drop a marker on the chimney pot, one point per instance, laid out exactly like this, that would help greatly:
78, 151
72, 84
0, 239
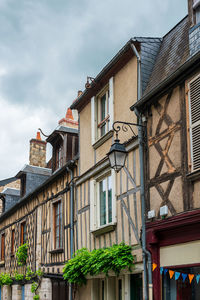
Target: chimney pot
38, 137
80, 93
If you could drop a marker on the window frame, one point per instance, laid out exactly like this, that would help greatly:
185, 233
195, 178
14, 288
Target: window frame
23, 233
61, 227
3, 246
12, 250
95, 223
97, 121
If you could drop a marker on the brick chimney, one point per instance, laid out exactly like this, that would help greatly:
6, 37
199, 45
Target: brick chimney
37, 155
68, 120
194, 31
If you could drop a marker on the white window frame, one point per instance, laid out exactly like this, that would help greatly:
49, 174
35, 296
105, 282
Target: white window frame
95, 112
95, 200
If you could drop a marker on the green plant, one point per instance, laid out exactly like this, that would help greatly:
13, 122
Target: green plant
22, 254
18, 276
34, 287
115, 258
36, 297
29, 274
5, 279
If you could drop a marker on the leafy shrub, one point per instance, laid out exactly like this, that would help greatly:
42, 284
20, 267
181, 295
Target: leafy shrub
22, 254
115, 258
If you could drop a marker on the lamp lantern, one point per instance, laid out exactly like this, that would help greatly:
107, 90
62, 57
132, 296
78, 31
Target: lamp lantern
117, 155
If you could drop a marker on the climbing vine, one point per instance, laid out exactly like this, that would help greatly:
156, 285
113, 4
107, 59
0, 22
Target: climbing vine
84, 262
22, 254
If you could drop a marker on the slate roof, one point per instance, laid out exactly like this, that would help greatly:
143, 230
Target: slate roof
61, 129
7, 180
174, 52
11, 191
34, 170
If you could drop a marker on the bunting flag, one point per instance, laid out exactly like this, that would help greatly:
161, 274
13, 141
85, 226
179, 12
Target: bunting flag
154, 266
197, 278
184, 276
177, 275
171, 274
191, 276
165, 271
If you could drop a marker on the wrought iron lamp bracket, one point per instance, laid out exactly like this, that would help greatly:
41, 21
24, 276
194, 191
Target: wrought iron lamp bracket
125, 126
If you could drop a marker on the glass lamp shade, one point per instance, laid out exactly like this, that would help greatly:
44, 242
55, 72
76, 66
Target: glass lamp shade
117, 156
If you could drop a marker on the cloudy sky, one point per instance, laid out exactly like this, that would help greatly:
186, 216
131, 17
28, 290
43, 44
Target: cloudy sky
47, 49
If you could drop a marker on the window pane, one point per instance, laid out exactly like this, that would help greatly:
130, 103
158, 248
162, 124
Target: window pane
103, 202
103, 107
109, 199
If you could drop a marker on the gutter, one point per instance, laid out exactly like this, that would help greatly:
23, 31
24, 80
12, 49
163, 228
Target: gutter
179, 74
148, 286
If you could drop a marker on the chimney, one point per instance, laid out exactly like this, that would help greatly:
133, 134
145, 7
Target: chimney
68, 121
37, 155
194, 21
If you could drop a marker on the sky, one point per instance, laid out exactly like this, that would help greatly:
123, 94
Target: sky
47, 50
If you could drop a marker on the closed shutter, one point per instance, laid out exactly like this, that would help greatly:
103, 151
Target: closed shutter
113, 178
111, 103
93, 212
194, 104
93, 120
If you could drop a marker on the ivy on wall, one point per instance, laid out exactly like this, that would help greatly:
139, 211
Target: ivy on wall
84, 262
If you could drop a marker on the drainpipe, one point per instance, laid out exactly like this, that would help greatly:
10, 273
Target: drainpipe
148, 287
71, 222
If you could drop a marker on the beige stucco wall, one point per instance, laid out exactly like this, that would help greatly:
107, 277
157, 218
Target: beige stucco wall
84, 292
125, 92
181, 254
86, 149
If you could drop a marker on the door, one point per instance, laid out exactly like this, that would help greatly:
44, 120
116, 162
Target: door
59, 290
136, 286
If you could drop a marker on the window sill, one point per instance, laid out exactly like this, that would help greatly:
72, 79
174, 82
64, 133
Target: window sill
193, 175
104, 229
103, 139
59, 250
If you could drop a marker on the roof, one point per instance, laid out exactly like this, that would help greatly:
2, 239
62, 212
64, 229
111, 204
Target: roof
119, 59
61, 129
7, 180
11, 191
174, 52
34, 170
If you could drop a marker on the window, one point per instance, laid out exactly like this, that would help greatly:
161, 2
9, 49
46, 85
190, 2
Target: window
196, 6
110, 288
181, 289
58, 155
194, 123
57, 230
103, 202
102, 112
23, 233
12, 242
3, 247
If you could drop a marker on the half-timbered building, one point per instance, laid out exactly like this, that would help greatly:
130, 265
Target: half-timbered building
170, 105
41, 215
108, 207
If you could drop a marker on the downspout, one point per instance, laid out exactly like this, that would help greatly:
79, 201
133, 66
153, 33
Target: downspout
71, 222
148, 287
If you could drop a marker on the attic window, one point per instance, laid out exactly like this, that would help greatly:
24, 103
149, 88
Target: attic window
196, 6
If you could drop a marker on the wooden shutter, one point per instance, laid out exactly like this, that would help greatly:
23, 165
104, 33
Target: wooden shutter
194, 107
111, 103
113, 180
93, 120
2, 246
93, 216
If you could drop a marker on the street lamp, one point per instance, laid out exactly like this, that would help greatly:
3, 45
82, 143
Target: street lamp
117, 154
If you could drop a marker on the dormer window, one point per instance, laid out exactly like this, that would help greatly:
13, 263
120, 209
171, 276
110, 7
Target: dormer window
58, 156
196, 7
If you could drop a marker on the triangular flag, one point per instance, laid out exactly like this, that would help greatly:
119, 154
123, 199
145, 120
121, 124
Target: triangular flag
161, 270
165, 271
197, 278
177, 275
184, 276
191, 276
154, 266
171, 274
